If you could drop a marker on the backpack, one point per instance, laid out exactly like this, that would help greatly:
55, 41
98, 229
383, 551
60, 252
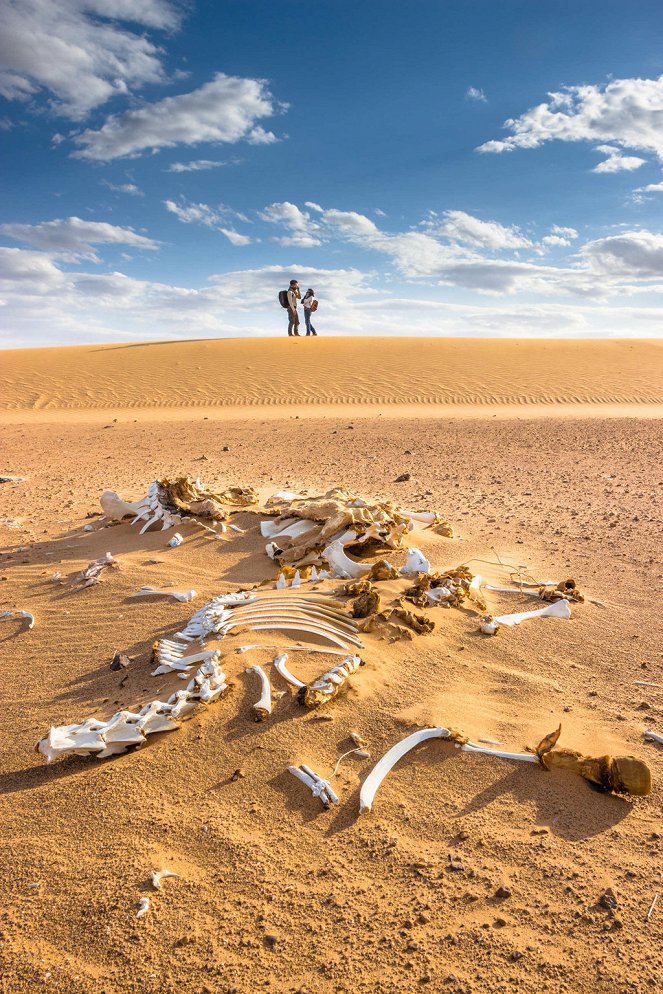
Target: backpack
314, 305
283, 298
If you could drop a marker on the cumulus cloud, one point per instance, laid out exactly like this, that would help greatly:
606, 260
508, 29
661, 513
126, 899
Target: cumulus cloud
632, 254
616, 162
225, 110
461, 227
235, 237
650, 188
72, 238
43, 303
80, 51
302, 229
628, 112
475, 93
197, 165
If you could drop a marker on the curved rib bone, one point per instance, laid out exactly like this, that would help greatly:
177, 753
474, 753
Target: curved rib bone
389, 760
263, 707
284, 672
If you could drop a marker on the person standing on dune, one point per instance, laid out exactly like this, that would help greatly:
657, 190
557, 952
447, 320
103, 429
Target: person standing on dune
293, 317
310, 305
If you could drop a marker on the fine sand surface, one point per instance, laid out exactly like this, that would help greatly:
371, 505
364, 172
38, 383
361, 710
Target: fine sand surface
353, 904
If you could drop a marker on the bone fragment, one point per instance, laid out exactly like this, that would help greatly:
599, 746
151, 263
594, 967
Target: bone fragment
20, 614
281, 583
416, 562
426, 517
187, 595
654, 737
143, 907
342, 567
158, 875
175, 540
317, 785
646, 683
652, 907
115, 508
282, 669
263, 707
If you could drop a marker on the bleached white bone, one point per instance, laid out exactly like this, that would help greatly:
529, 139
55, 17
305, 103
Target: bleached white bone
19, 614
341, 565
115, 508
309, 629
158, 875
511, 590
263, 707
558, 609
438, 595
281, 583
296, 580
488, 626
143, 907
389, 760
269, 527
427, 517
185, 596
416, 562
654, 737
474, 589
317, 785
335, 677
126, 728
284, 497
283, 671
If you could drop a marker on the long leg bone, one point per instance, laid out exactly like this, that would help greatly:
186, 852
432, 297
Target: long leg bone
654, 737
559, 609
185, 596
263, 707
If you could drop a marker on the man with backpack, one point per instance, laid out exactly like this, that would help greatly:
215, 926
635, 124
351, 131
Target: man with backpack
288, 299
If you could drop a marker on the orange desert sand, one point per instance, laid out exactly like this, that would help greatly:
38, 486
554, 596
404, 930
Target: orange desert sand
545, 454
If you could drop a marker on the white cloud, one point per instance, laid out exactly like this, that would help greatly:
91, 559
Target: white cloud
78, 51
196, 165
474, 93
632, 254
72, 238
559, 237
650, 188
129, 188
616, 162
302, 229
461, 227
43, 304
225, 110
628, 112
235, 237
211, 217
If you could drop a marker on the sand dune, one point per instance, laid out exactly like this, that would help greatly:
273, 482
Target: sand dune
328, 373
257, 855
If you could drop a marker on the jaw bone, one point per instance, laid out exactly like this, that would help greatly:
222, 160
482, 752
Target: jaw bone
342, 567
263, 707
326, 687
126, 728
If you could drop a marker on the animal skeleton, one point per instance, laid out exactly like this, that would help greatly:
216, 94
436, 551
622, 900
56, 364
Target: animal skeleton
92, 572
318, 787
127, 728
312, 613
622, 774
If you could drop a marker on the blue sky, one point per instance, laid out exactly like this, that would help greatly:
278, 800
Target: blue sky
465, 168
